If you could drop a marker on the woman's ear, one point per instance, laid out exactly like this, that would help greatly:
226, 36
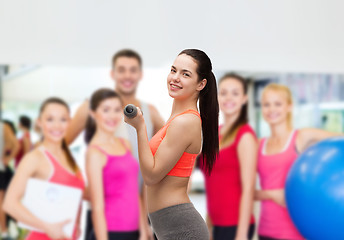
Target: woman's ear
201, 84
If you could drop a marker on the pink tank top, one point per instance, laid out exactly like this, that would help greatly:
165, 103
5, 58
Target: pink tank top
121, 191
275, 221
65, 177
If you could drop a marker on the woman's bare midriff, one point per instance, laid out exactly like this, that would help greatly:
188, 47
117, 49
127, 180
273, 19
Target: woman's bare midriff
168, 192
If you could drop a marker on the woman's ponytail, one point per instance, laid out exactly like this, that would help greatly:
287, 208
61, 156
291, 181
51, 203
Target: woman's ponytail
209, 108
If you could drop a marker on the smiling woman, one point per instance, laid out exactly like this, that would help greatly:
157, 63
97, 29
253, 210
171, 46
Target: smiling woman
167, 161
230, 209
52, 162
112, 172
284, 144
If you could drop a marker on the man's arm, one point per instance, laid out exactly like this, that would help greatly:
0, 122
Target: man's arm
78, 123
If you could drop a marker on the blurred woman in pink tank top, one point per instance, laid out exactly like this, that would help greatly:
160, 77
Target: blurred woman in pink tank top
112, 173
276, 155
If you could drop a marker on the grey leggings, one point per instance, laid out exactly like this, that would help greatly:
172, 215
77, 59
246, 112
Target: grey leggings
179, 222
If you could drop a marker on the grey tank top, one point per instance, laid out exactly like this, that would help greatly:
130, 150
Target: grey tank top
128, 132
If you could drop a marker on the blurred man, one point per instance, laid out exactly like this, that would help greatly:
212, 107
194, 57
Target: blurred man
126, 72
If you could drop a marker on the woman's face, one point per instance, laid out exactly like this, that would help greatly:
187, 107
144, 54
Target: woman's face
231, 96
108, 115
54, 121
275, 107
182, 81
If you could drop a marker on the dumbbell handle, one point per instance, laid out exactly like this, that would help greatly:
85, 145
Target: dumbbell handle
130, 111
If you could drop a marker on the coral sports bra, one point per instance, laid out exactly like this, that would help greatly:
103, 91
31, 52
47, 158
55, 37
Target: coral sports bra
183, 167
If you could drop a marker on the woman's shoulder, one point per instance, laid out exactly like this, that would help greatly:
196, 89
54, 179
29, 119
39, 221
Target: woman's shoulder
185, 120
36, 153
126, 143
244, 129
94, 150
33, 157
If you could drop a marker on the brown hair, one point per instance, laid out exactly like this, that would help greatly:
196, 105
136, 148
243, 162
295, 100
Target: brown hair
70, 159
96, 99
126, 53
209, 107
243, 116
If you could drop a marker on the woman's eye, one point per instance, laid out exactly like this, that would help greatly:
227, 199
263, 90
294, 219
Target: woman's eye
173, 71
186, 75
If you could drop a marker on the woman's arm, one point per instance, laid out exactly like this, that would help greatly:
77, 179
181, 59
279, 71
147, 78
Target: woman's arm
77, 222
95, 162
13, 206
210, 226
145, 231
78, 123
86, 194
247, 153
172, 147
276, 195
308, 136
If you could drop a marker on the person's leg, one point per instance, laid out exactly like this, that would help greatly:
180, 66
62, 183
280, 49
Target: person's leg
251, 231
229, 232
89, 226
224, 233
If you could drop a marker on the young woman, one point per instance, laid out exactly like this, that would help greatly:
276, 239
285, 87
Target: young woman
276, 155
25, 141
167, 160
112, 173
230, 207
52, 162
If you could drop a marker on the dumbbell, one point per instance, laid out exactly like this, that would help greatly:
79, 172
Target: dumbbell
130, 111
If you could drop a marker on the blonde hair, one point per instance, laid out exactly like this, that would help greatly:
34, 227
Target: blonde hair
287, 93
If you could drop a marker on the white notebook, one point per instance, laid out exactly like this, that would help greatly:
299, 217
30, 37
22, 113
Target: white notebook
52, 203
